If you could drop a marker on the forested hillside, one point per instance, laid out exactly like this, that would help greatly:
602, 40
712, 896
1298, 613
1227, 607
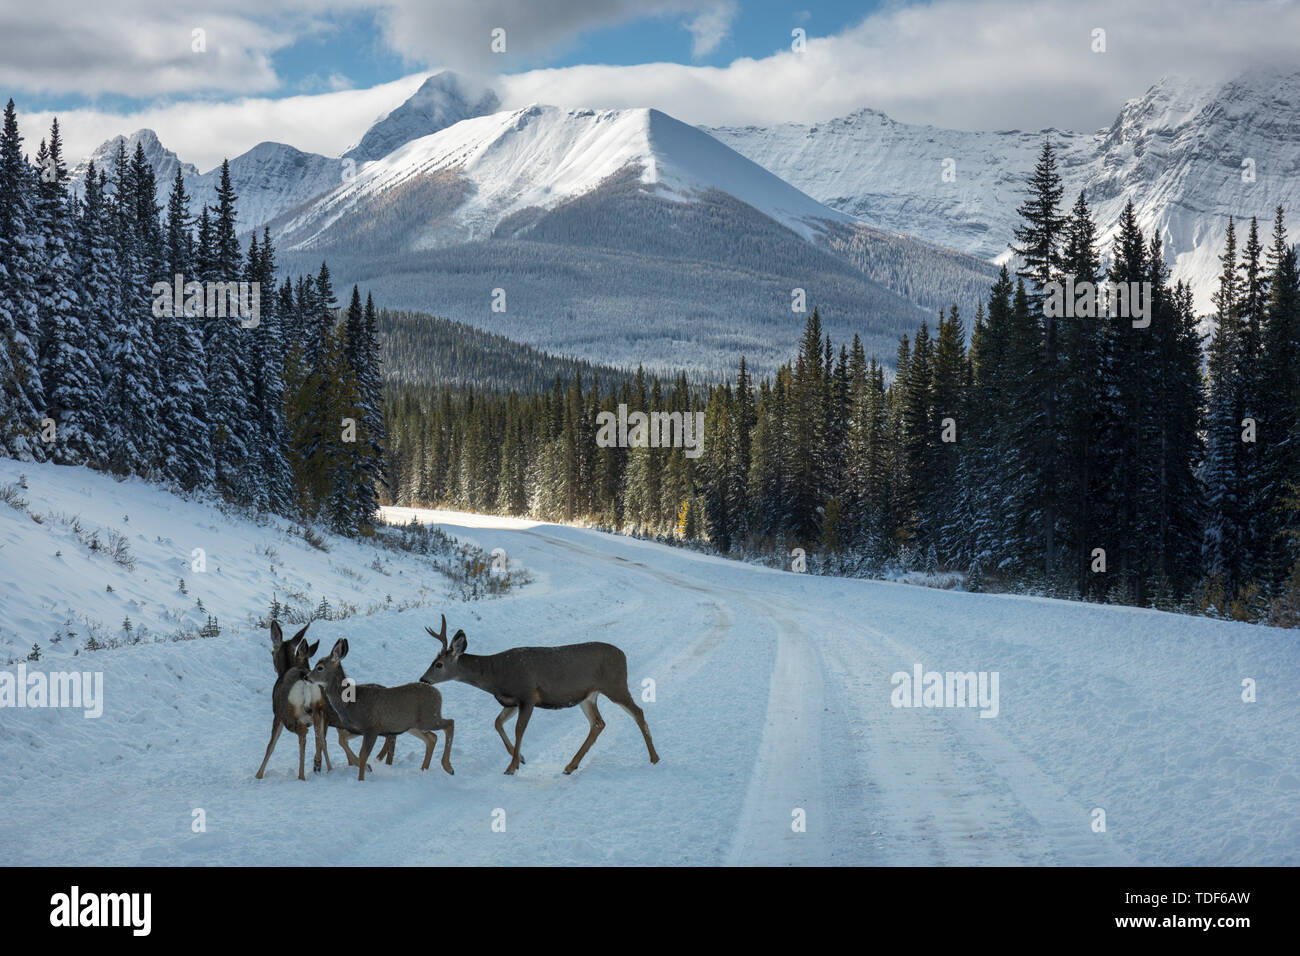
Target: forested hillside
1101, 456
420, 349
239, 384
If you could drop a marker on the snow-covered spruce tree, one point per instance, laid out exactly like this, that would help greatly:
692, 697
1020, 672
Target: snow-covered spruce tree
132, 404
227, 346
185, 402
947, 398
22, 396
1279, 430
1223, 543
96, 261
1039, 238
68, 370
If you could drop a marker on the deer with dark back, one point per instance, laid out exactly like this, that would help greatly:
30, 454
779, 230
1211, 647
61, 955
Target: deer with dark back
371, 710
297, 705
552, 678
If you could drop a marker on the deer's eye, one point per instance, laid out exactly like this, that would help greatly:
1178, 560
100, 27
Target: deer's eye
439, 664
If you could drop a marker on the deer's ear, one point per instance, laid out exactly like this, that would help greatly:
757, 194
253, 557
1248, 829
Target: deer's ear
458, 644
298, 636
311, 649
277, 635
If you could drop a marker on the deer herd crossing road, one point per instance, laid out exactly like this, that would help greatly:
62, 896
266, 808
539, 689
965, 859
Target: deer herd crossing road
773, 712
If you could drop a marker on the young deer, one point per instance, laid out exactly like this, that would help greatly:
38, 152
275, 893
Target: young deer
372, 711
296, 652
549, 677
296, 704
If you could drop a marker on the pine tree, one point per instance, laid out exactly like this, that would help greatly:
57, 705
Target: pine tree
185, 404
21, 392
1224, 540
226, 346
68, 372
1040, 238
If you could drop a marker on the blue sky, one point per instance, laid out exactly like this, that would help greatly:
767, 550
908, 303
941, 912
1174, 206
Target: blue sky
348, 48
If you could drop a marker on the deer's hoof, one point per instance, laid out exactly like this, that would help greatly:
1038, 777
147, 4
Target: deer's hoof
510, 771
568, 770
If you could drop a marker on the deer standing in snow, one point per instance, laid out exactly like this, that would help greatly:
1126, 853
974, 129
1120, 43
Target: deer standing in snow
548, 677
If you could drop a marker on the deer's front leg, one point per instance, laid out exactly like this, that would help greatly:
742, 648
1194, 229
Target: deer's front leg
506, 714
318, 726
525, 711
367, 743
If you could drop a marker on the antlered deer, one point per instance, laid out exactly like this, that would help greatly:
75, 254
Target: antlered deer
372, 711
549, 677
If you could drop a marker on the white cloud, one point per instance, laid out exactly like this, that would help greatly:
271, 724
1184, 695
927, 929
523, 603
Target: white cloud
205, 133
138, 48
459, 32
969, 64
711, 26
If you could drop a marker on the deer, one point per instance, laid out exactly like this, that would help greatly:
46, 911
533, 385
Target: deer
372, 710
295, 652
295, 703
552, 678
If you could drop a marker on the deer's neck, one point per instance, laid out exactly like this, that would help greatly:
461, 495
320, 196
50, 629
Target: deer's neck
478, 671
334, 694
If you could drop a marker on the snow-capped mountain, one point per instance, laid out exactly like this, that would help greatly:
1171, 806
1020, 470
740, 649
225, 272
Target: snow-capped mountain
269, 179
274, 178
442, 100
588, 220
521, 162
1178, 152
163, 160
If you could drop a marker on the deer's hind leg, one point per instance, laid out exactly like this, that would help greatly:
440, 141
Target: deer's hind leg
625, 701
597, 725
506, 714
276, 727
386, 752
302, 753
430, 741
521, 724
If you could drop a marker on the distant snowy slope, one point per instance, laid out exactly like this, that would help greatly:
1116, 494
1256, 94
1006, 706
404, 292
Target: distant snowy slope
540, 156
1178, 152
443, 100
163, 160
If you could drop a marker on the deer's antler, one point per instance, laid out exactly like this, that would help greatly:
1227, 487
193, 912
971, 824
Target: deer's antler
443, 636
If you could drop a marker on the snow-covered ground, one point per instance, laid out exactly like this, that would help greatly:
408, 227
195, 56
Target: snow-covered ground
772, 695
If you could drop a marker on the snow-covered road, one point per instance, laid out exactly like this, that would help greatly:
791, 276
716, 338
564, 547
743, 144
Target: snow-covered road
772, 705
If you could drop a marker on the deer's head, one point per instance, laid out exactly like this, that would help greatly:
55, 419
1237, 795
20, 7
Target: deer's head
329, 669
283, 653
446, 666
303, 653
